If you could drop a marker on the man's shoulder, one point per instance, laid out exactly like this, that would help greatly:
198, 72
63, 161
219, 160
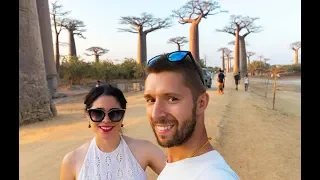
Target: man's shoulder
218, 172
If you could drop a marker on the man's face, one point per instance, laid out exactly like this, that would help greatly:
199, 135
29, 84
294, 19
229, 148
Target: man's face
170, 108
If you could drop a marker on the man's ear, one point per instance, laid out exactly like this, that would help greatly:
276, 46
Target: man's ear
202, 103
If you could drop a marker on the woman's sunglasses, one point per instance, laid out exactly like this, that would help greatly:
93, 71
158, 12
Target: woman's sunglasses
97, 115
175, 57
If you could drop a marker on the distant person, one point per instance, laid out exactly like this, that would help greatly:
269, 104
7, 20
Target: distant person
98, 83
109, 154
246, 82
220, 80
236, 80
213, 74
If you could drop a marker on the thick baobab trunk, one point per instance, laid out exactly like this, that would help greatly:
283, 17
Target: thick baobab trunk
72, 44
194, 40
223, 65
96, 58
248, 60
57, 54
47, 46
142, 48
35, 103
243, 57
178, 46
296, 55
236, 53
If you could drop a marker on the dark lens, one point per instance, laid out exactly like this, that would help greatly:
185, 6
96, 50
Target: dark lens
96, 115
177, 56
116, 115
151, 61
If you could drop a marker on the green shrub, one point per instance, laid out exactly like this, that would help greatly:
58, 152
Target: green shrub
75, 69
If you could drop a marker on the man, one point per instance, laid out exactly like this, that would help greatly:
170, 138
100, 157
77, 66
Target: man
220, 80
236, 80
176, 99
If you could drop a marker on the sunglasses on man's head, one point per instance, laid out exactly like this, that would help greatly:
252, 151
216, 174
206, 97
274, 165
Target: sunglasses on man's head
176, 57
115, 114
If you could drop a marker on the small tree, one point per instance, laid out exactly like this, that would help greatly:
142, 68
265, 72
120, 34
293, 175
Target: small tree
228, 55
96, 52
295, 47
74, 27
275, 71
58, 19
179, 41
223, 55
143, 25
265, 60
249, 54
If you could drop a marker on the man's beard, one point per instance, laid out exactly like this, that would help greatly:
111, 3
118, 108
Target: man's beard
181, 134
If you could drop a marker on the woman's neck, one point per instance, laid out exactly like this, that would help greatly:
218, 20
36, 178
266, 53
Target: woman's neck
109, 144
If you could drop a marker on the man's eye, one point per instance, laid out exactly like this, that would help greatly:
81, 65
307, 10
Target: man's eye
172, 99
150, 100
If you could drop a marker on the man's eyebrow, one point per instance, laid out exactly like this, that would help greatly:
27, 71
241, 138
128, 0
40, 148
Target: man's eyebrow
172, 94
146, 96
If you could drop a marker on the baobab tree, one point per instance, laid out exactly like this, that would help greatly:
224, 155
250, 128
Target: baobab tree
179, 41
249, 54
96, 52
35, 102
234, 42
260, 57
230, 62
295, 47
192, 12
47, 46
74, 27
242, 22
58, 19
236, 52
227, 53
143, 25
265, 60
222, 50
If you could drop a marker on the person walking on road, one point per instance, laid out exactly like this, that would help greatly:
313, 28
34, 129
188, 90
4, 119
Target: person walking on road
220, 80
246, 83
236, 80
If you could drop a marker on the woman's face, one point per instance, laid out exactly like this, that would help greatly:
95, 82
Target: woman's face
106, 128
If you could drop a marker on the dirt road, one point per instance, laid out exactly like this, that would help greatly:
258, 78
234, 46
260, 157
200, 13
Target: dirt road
257, 143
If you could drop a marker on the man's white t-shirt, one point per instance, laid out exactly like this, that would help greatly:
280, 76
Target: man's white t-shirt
208, 166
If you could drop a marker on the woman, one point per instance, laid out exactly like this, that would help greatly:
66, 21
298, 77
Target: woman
110, 155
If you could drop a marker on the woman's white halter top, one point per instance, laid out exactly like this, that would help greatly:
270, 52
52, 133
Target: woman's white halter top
119, 164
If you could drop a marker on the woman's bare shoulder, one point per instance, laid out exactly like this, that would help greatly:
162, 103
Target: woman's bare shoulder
80, 150
73, 159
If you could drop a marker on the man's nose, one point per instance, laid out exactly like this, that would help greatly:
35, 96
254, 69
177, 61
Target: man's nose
159, 110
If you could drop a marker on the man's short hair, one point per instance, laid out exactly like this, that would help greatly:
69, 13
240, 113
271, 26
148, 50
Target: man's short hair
188, 70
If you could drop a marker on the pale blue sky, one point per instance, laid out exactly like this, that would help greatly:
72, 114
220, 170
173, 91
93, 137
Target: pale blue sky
281, 21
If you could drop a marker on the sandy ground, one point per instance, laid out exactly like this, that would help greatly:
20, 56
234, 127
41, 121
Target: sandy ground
257, 142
